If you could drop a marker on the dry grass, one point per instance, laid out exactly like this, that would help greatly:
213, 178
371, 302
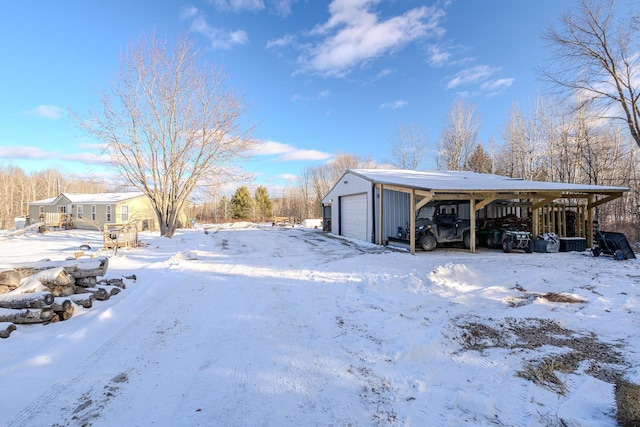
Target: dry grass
628, 402
529, 297
605, 361
553, 297
544, 373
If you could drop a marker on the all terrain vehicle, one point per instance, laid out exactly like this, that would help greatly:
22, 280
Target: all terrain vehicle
434, 226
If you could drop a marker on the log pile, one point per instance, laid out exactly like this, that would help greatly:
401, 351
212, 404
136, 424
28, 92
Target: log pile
49, 291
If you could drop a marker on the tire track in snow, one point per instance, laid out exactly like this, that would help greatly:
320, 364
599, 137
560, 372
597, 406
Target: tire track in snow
82, 401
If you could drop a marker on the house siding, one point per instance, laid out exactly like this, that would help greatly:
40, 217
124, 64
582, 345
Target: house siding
139, 208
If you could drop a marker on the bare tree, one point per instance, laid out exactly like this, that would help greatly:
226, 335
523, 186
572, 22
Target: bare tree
459, 137
595, 56
410, 148
525, 138
169, 124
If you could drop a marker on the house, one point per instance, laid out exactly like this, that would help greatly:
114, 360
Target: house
92, 211
373, 204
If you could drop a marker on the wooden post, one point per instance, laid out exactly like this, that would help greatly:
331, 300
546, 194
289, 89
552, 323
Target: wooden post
535, 220
380, 221
590, 221
412, 222
581, 232
472, 225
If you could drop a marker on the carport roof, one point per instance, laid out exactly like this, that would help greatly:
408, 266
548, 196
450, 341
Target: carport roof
470, 182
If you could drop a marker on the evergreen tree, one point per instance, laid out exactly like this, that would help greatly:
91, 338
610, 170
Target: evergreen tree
263, 203
241, 204
479, 161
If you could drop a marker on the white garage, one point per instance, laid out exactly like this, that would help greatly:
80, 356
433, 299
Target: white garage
353, 216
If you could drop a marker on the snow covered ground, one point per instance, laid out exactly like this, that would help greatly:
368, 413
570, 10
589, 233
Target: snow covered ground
251, 325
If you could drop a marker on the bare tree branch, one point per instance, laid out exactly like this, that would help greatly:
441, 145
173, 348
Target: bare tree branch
410, 148
595, 57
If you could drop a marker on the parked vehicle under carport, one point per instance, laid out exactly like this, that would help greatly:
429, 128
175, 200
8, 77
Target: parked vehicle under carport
435, 226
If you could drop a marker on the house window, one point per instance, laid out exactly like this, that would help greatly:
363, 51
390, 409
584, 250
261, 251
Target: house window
125, 213
62, 209
108, 213
94, 214
80, 211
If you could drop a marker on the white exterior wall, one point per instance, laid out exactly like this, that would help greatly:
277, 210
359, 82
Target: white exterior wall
348, 185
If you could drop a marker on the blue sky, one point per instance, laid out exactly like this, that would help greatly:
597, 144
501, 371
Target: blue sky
320, 77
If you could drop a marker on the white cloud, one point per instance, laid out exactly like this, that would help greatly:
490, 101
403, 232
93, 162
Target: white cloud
354, 35
286, 152
494, 87
218, 37
384, 73
323, 94
284, 41
269, 148
472, 75
283, 7
239, 5
52, 112
393, 105
297, 154
289, 177
188, 12
437, 56
36, 153
481, 78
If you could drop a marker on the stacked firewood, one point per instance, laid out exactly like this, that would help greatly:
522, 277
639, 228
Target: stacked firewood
48, 291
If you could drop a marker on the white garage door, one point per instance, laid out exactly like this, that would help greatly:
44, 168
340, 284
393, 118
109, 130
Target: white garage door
353, 216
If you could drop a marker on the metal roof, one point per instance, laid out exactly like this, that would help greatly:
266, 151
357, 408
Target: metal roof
471, 182
98, 198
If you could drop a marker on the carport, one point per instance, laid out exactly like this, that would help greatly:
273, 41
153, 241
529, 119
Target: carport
361, 196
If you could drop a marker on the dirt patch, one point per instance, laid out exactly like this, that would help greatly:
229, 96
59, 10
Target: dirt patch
628, 403
529, 297
553, 297
89, 407
603, 361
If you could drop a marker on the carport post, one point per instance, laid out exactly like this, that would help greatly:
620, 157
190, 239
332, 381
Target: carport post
412, 222
589, 230
380, 219
472, 225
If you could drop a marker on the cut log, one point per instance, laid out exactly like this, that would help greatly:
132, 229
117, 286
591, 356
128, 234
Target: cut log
55, 280
114, 282
6, 328
99, 294
84, 299
113, 290
77, 268
15, 299
26, 315
61, 304
86, 282
9, 278
66, 314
